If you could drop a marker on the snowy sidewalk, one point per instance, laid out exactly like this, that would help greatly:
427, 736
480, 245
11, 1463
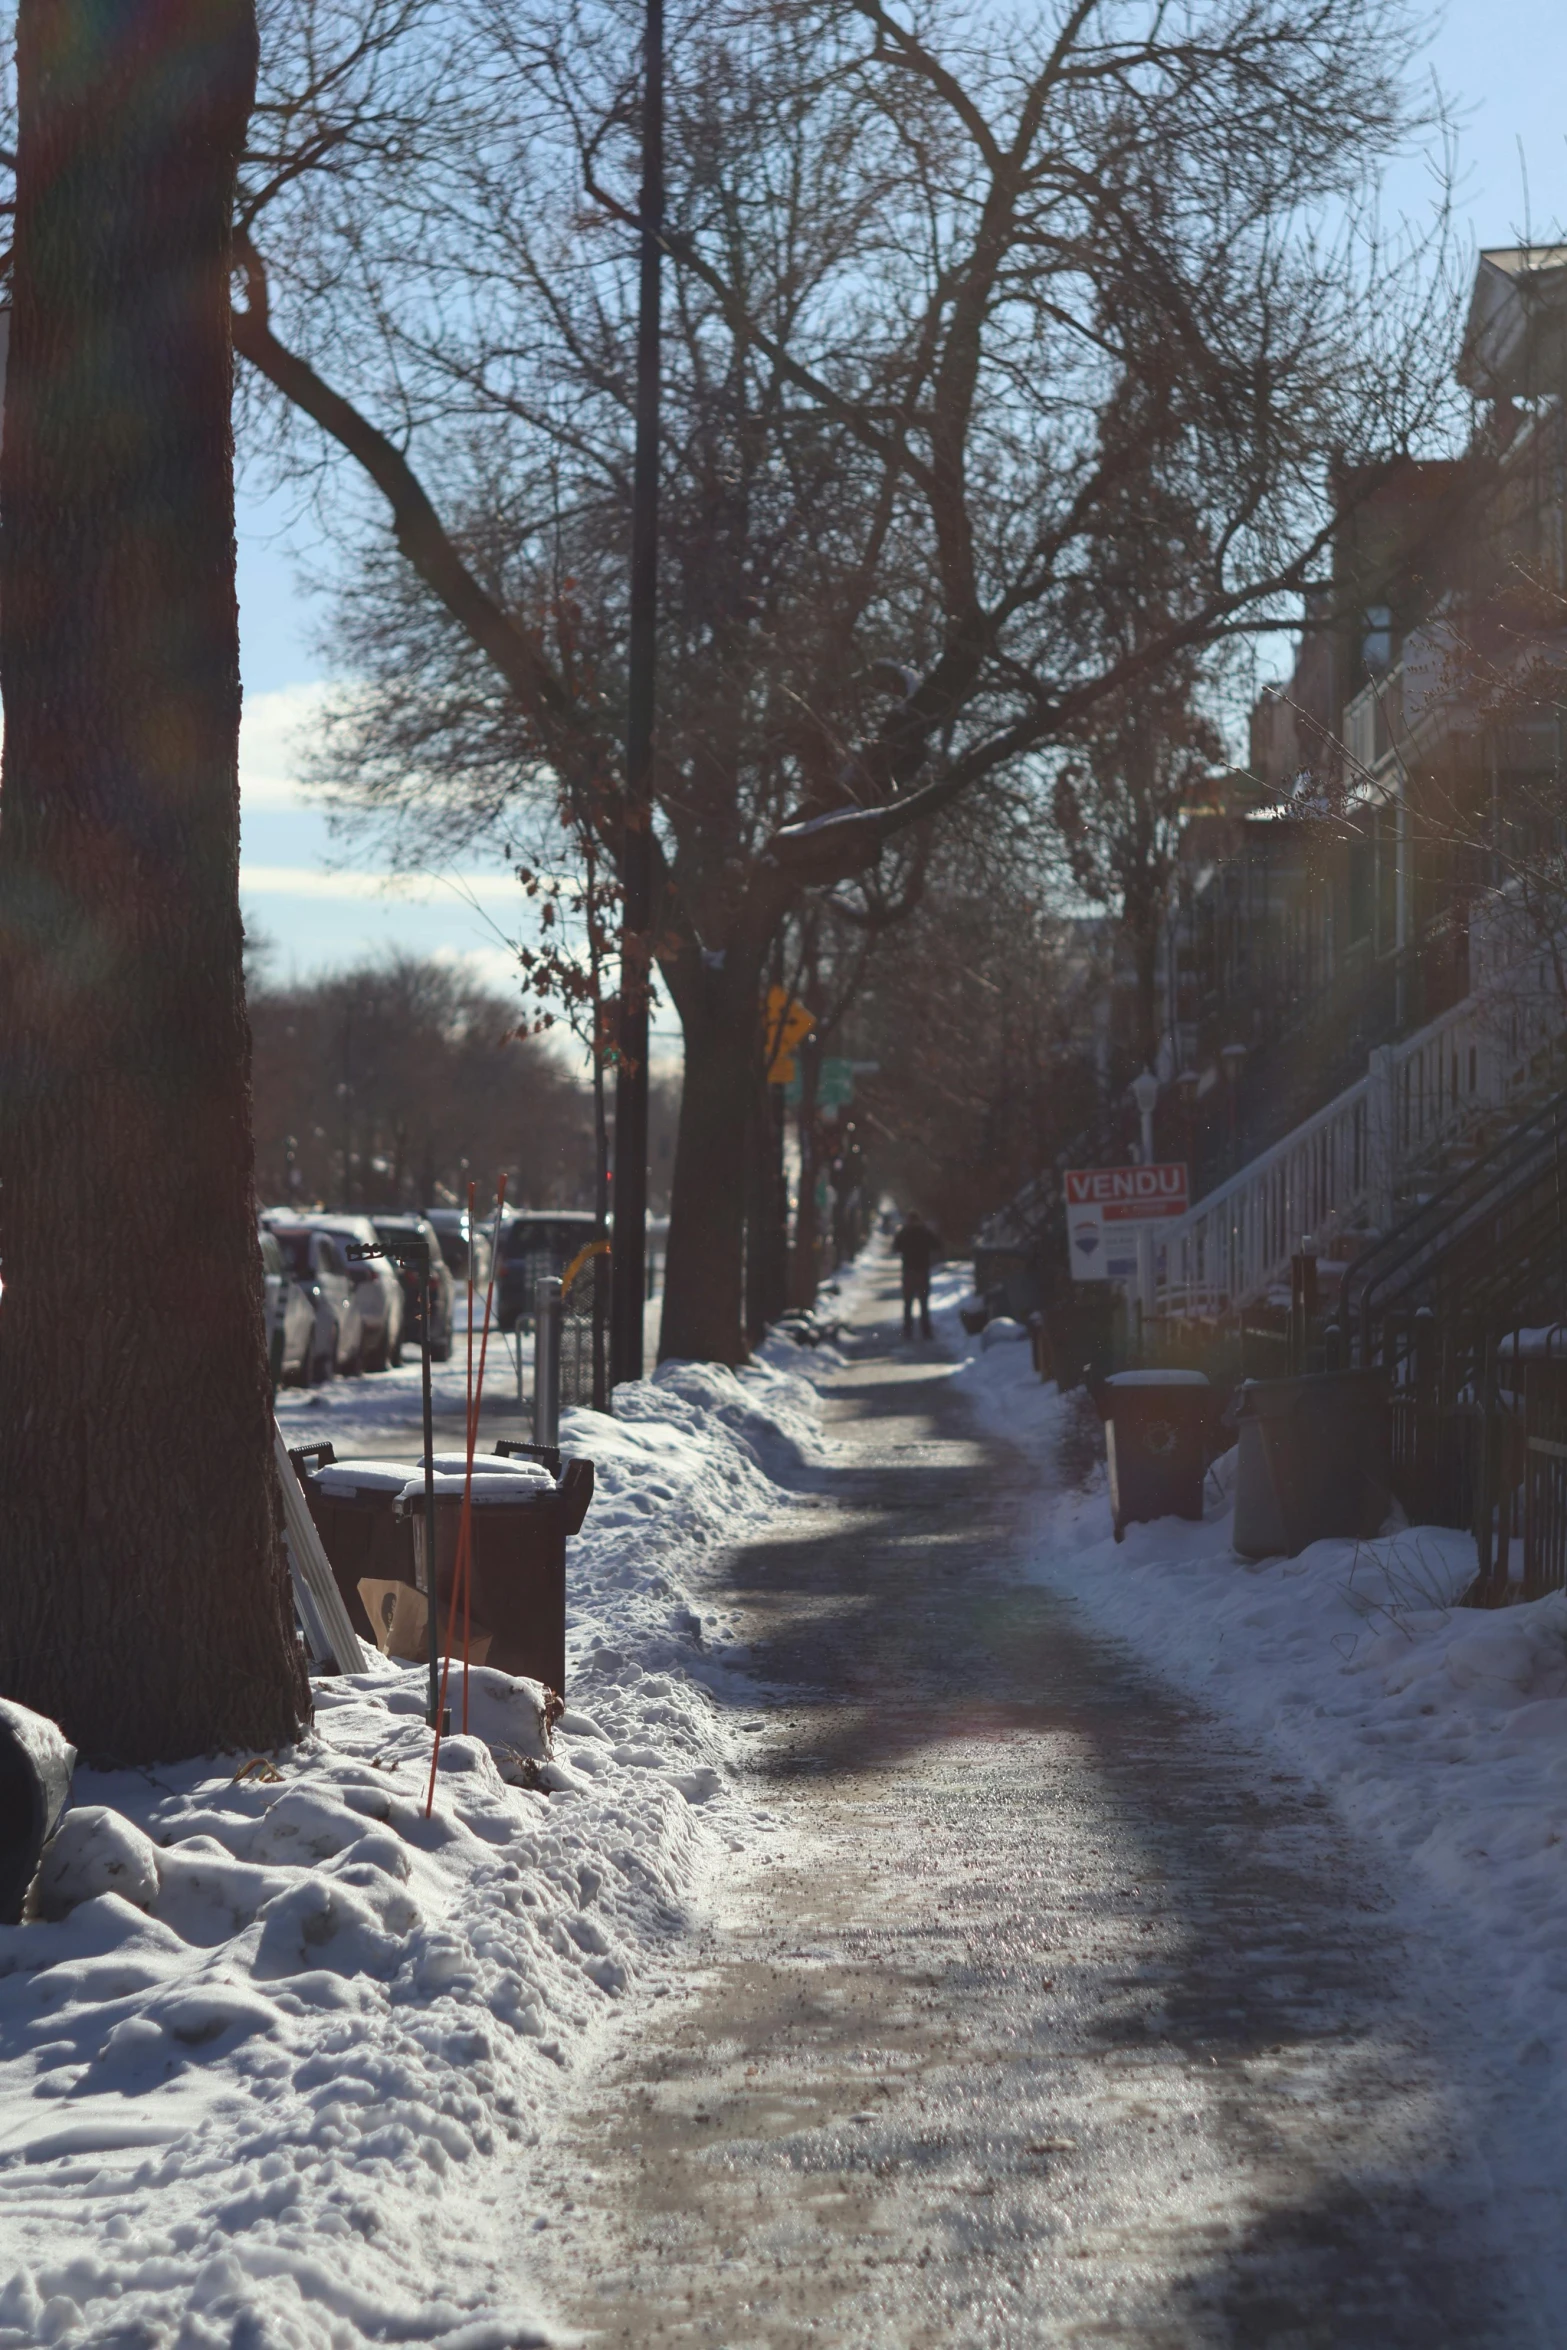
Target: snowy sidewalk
1054, 2010
279, 2075
1440, 1731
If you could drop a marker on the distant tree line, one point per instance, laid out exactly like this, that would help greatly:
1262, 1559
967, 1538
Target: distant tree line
387, 1085
390, 1083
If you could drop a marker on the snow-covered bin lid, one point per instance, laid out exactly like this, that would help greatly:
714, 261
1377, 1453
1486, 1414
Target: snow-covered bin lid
1157, 1379
486, 1464
363, 1476
501, 1487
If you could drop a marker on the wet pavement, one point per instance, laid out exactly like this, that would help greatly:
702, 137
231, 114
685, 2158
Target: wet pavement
1056, 2013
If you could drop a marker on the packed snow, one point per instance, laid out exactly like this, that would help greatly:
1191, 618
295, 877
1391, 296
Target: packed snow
1438, 1728
278, 2053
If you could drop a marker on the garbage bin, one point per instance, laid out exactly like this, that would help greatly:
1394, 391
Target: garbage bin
354, 1505
1314, 1461
523, 1515
1159, 1437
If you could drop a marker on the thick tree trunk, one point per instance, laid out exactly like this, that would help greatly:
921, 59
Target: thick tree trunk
766, 1212
144, 1602
804, 1272
703, 1301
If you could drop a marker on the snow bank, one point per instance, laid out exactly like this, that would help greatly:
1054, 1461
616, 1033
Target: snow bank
1441, 1729
271, 2063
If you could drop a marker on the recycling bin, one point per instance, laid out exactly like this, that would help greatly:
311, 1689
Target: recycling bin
1314, 1461
354, 1505
1159, 1428
523, 1515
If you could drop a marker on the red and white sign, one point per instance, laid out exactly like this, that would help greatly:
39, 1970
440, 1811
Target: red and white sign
1105, 1206
1129, 1195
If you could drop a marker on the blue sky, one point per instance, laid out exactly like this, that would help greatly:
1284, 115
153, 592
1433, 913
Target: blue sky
316, 903
1503, 65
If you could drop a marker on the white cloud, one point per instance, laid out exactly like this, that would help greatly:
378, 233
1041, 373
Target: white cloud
269, 729
486, 966
419, 889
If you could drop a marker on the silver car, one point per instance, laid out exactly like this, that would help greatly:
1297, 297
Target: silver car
290, 1315
317, 1258
376, 1283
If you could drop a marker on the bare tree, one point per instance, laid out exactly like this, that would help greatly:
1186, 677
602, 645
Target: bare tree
977, 1011
1120, 803
145, 1599
920, 263
389, 1084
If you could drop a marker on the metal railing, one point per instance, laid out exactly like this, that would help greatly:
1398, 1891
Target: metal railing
1342, 1167
1237, 1243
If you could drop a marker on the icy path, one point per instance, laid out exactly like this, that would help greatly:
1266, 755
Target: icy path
1056, 2013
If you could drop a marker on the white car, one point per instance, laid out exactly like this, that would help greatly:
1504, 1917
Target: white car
317, 1259
377, 1283
290, 1315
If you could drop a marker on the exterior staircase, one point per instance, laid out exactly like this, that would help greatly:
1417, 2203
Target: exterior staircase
1427, 1106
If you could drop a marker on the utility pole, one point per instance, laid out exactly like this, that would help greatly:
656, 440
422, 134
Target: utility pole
627, 1264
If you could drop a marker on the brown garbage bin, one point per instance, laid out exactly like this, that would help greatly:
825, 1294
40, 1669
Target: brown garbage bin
1158, 1439
354, 1505
521, 1525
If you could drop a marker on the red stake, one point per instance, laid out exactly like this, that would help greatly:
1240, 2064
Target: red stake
461, 1575
461, 1569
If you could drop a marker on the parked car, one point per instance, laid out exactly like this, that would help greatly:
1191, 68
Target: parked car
533, 1246
457, 1237
443, 1289
316, 1259
378, 1284
290, 1314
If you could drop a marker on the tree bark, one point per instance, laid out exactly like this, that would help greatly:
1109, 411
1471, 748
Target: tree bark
766, 1212
703, 1287
803, 1269
145, 1602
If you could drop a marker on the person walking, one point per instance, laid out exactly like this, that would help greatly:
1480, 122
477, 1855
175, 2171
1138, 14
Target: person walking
919, 1247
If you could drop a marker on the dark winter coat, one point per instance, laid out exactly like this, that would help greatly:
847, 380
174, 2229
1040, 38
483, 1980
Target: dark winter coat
919, 1248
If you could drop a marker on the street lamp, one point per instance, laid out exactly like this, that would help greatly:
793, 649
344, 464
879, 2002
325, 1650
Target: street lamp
1186, 1085
628, 1259
1145, 1093
1233, 1057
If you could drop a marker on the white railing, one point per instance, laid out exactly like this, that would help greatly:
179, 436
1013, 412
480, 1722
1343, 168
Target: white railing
1340, 1170
1232, 1245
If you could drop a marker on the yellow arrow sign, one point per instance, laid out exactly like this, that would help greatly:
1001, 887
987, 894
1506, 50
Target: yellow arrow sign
789, 1023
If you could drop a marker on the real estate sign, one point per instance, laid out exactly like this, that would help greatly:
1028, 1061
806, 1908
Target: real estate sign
1105, 1207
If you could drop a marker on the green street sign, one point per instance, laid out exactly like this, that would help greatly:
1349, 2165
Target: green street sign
834, 1085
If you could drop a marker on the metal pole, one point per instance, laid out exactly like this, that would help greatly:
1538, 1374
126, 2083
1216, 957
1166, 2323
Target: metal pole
423, 1263
627, 1281
1147, 1294
546, 1361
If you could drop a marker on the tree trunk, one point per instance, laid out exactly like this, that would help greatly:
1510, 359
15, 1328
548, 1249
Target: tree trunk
766, 1211
803, 1269
703, 1301
145, 1603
